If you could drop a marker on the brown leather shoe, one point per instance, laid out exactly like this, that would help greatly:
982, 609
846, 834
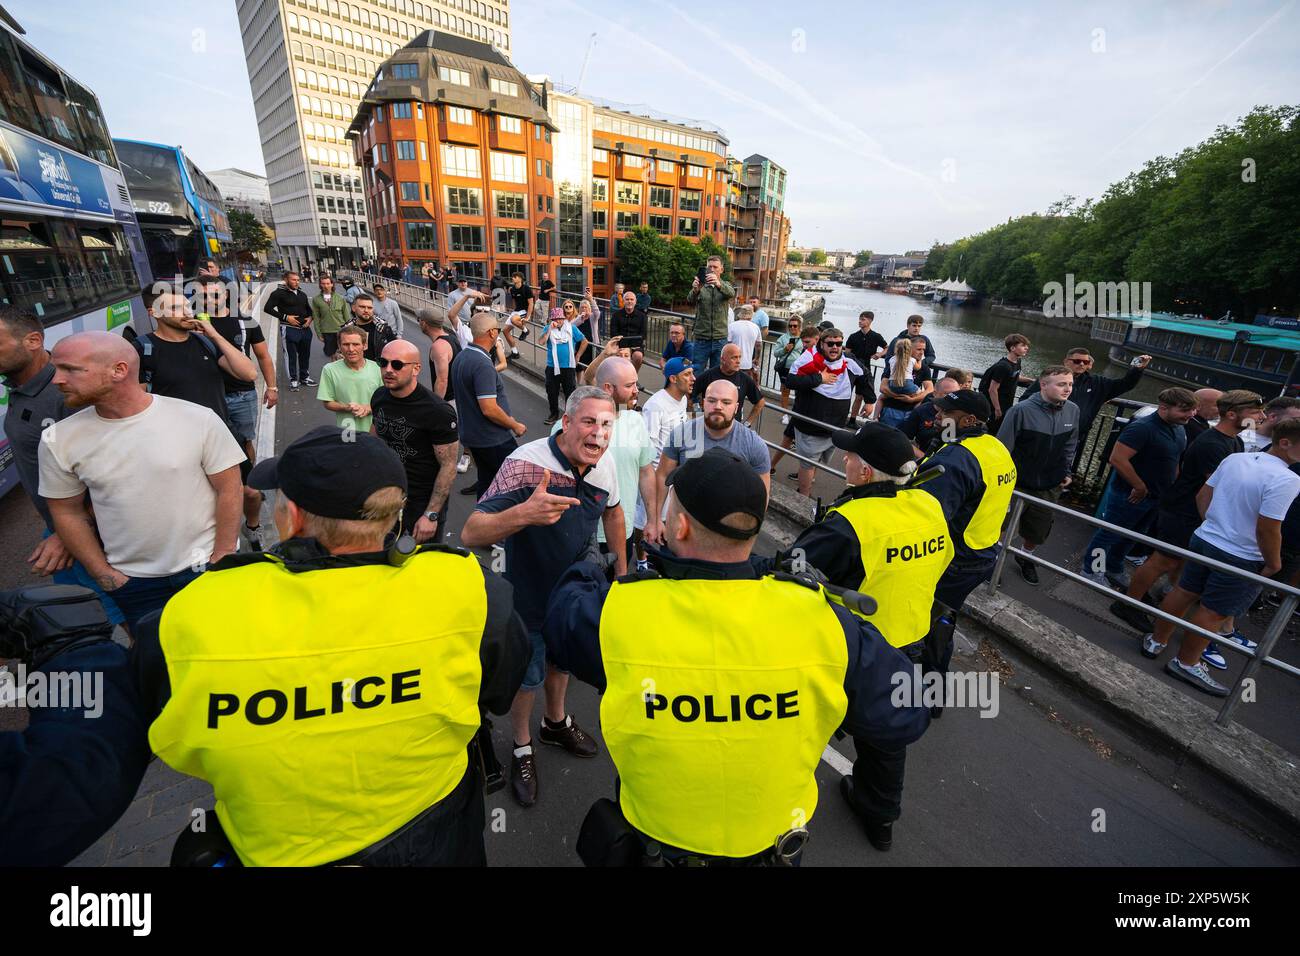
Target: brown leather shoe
571, 737
523, 780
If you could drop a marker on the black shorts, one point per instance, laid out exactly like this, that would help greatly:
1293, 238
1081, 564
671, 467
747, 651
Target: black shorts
1176, 529
789, 430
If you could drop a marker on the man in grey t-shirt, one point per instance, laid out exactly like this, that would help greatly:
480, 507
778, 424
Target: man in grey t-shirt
487, 429
717, 428
388, 310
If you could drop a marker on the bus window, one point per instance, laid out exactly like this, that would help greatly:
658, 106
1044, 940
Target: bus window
94, 133
57, 122
30, 276
68, 247
15, 103
109, 259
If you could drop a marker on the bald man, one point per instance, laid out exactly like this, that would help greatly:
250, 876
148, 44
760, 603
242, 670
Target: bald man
728, 370
163, 474
633, 454
1207, 410
421, 428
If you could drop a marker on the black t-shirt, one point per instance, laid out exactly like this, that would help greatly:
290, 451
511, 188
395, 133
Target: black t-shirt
864, 345
545, 288
411, 426
243, 334
520, 297
627, 324
740, 378
1007, 374
1291, 523
186, 370
1200, 460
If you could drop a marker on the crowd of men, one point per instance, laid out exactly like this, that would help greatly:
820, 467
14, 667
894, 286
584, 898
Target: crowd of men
628, 511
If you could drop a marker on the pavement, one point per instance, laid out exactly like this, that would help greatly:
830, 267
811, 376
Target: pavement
1051, 779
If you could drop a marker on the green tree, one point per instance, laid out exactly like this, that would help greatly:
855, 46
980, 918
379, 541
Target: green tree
247, 234
643, 257
794, 257
684, 261
862, 258
817, 257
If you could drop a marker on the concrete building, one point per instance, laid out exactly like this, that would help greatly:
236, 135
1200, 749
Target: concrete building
757, 228
471, 163
245, 192
309, 62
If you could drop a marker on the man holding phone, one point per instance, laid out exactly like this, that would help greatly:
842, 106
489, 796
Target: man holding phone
710, 294
629, 324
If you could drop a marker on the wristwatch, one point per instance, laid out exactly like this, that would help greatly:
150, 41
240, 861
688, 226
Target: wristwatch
433, 516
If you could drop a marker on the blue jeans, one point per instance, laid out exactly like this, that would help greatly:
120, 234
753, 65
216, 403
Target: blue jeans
1116, 509
708, 353
140, 596
893, 417
241, 409
77, 574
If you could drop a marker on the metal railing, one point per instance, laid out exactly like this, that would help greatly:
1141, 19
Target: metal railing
1290, 595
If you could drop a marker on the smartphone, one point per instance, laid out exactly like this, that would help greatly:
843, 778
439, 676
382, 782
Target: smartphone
703, 275
1136, 362
632, 342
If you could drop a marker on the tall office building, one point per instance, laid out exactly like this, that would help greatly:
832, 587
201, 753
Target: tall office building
309, 64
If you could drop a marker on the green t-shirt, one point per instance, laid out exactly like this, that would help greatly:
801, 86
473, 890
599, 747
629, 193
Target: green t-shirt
338, 383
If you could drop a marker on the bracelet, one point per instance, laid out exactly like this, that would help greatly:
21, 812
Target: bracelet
272, 388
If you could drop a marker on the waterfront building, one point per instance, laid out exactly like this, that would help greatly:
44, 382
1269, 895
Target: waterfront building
758, 231
468, 161
309, 62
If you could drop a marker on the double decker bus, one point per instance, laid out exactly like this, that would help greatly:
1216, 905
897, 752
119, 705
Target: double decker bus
70, 248
179, 209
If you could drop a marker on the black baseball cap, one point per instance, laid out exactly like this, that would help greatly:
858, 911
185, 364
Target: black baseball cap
968, 401
330, 472
883, 448
717, 484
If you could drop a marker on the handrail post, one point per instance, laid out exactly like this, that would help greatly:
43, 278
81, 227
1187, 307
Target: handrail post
1008, 535
1254, 663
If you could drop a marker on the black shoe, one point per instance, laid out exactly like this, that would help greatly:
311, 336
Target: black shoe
551, 420
1132, 616
1027, 570
523, 780
880, 835
468, 490
569, 736
793, 476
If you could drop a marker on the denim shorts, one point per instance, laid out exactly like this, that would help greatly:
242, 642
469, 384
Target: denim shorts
241, 409
1220, 592
536, 672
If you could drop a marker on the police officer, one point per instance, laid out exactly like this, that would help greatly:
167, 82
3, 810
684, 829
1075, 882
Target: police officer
974, 490
74, 770
892, 542
332, 716
714, 711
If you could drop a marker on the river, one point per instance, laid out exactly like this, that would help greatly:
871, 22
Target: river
971, 337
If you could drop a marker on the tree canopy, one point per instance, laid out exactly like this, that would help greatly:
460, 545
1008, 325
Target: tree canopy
247, 234
1212, 229
817, 257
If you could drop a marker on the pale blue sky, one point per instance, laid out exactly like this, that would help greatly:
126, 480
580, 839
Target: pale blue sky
899, 123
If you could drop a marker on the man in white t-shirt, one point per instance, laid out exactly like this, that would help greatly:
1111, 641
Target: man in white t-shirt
460, 309
163, 474
747, 335
1244, 503
662, 412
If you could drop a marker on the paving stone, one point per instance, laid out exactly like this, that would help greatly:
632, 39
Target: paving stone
187, 791
165, 825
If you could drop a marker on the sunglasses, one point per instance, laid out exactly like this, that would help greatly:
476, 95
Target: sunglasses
1080, 361
396, 364
835, 344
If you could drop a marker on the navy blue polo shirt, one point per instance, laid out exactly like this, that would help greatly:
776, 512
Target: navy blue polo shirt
537, 556
1158, 448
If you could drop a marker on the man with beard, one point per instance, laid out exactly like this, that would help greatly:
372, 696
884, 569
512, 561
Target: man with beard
181, 507
35, 404
717, 428
544, 506
421, 428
